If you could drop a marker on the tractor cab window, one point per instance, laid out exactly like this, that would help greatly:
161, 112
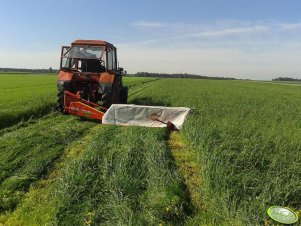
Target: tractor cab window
85, 52
84, 58
111, 59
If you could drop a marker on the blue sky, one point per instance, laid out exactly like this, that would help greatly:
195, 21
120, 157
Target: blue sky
256, 39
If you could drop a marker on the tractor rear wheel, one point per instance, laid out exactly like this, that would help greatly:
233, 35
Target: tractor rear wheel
111, 98
124, 95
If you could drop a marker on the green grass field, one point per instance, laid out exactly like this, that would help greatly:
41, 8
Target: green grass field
25, 96
237, 154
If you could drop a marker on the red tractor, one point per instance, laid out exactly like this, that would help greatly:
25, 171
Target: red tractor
89, 73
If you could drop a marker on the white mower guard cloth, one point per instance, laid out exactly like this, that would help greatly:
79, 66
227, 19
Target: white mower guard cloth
139, 115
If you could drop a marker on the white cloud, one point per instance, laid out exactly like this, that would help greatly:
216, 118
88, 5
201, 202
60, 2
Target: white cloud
231, 31
156, 32
206, 34
145, 24
161, 33
290, 26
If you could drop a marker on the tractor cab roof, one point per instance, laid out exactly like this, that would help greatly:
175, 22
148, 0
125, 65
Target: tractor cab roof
81, 42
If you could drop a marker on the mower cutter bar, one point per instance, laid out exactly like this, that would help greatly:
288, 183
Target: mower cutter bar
75, 105
126, 114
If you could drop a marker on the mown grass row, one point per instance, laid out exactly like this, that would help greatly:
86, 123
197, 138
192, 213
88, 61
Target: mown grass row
247, 139
27, 154
122, 176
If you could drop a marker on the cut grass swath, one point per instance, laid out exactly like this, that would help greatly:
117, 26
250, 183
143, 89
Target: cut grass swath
28, 153
124, 176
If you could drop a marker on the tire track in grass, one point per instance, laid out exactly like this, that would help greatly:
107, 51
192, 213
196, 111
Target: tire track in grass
137, 81
125, 175
137, 89
188, 167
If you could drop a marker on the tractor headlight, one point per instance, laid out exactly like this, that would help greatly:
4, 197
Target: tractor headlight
60, 85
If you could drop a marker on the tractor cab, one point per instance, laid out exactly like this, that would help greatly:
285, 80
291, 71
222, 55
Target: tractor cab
89, 69
89, 56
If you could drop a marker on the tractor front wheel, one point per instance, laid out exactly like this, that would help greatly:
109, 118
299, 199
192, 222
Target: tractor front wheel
60, 101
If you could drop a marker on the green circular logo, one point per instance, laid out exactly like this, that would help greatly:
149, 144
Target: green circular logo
282, 215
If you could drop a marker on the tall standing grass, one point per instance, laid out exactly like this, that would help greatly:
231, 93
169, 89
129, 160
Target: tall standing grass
247, 138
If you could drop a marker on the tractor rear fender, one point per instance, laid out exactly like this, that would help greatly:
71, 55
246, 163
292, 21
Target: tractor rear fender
64, 80
106, 81
65, 76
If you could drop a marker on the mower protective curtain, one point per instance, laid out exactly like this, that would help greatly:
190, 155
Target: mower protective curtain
148, 116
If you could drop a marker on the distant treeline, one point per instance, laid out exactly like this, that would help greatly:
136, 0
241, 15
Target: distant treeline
138, 74
25, 70
177, 75
286, 79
